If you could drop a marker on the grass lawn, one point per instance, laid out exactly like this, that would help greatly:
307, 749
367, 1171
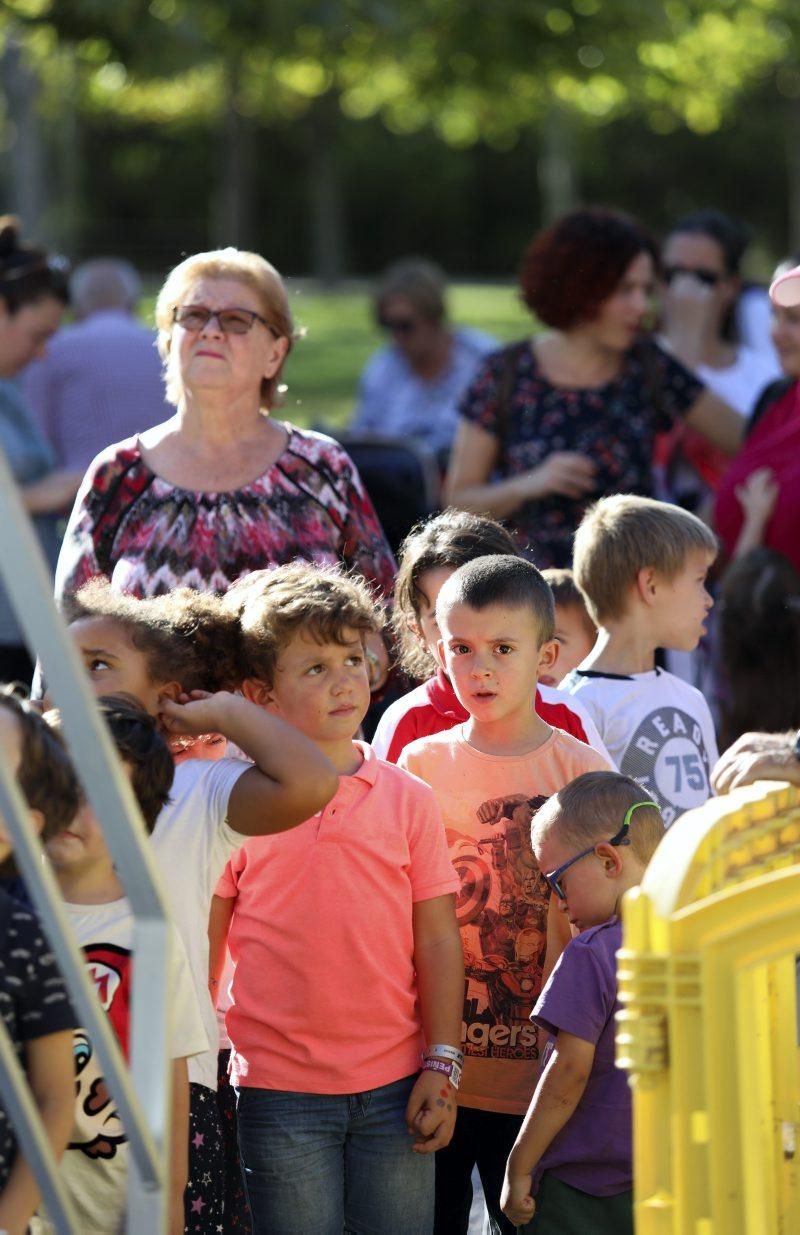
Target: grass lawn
323, 370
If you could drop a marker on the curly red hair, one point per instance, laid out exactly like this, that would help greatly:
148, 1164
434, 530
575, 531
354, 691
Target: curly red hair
571, 268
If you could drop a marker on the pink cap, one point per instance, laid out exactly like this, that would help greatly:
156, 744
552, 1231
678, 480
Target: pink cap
785, 290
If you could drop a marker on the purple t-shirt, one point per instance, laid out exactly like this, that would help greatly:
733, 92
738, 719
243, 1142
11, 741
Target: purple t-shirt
593, 1151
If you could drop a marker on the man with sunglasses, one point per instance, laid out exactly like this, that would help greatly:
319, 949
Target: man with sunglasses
411, 387
593, 839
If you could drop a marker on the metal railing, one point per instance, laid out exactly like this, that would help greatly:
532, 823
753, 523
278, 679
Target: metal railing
141, 1092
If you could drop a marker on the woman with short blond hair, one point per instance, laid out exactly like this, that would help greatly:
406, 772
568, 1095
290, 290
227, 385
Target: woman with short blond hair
217, 491
222, 488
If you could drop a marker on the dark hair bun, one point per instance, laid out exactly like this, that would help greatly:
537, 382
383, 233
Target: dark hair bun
9, 236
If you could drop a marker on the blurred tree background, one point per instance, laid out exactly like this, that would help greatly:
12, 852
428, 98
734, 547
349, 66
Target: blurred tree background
335, 135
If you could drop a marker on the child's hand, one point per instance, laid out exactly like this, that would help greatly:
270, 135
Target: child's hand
516, 1201
196, 713
758, 494
431, 1112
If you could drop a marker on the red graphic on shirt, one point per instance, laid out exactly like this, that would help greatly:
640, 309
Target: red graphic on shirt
502, 913
110, 970
98, 1129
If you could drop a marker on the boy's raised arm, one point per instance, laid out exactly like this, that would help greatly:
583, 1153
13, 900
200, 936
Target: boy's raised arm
291, 780
557, 1094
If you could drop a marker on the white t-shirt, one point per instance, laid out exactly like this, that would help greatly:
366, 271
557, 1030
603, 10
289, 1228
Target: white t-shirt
741, 383
95, 1165
192, 843
658, 729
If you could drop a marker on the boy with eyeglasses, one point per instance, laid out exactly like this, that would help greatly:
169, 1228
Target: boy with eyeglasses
593, 840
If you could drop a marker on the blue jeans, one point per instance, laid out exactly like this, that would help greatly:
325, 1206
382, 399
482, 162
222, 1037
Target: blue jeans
324, 1164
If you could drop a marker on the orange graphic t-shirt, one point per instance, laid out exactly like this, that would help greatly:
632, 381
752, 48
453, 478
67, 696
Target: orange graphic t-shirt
508, 931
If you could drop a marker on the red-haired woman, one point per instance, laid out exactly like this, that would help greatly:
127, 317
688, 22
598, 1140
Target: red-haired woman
555, 422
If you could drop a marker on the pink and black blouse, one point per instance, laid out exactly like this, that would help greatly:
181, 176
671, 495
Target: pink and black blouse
148, 536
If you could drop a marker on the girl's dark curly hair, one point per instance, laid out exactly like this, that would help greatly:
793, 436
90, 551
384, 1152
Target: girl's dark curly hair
187, 636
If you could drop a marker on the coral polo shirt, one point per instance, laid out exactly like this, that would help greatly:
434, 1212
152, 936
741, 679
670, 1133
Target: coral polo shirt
324, 992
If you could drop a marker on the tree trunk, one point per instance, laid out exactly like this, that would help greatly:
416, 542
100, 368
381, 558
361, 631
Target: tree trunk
556, 171
25, 156
232, 222
64, 214
793, 172
325, 192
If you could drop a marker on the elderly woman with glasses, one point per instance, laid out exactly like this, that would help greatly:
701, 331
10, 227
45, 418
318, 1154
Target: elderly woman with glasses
222, 488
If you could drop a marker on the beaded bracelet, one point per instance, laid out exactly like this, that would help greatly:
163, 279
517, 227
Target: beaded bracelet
447, 1067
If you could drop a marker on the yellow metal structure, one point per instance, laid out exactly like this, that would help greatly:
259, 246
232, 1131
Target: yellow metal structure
709, 1026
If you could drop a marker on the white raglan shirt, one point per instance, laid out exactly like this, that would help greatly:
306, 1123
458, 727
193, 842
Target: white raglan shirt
554, 695
192, 843
657, 728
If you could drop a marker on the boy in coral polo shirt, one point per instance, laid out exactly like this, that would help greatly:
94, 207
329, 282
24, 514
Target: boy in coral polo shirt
349, 972
490, 774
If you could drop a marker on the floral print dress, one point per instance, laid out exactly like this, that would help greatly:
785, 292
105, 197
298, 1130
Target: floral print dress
615, 425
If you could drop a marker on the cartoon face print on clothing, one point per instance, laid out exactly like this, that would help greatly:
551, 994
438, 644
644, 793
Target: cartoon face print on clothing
668, 756
98, 1130
502, 913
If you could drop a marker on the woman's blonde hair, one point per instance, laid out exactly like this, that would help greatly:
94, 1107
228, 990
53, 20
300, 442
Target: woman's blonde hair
249, 268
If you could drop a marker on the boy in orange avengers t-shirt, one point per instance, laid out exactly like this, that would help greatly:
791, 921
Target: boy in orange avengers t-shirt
349, 977
490, 775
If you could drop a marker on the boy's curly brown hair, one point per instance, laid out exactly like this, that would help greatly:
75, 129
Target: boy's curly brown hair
272, 605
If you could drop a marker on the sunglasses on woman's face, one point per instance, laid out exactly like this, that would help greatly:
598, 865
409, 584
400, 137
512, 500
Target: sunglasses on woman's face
398, 325
195, 317
708, 277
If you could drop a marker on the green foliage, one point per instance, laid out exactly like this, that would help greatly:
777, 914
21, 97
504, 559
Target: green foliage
469, 71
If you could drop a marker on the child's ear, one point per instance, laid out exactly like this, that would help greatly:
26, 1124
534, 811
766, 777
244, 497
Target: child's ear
413, 625
548, 655
257, 692
170, 690
612, 859
646, 584
37, 820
